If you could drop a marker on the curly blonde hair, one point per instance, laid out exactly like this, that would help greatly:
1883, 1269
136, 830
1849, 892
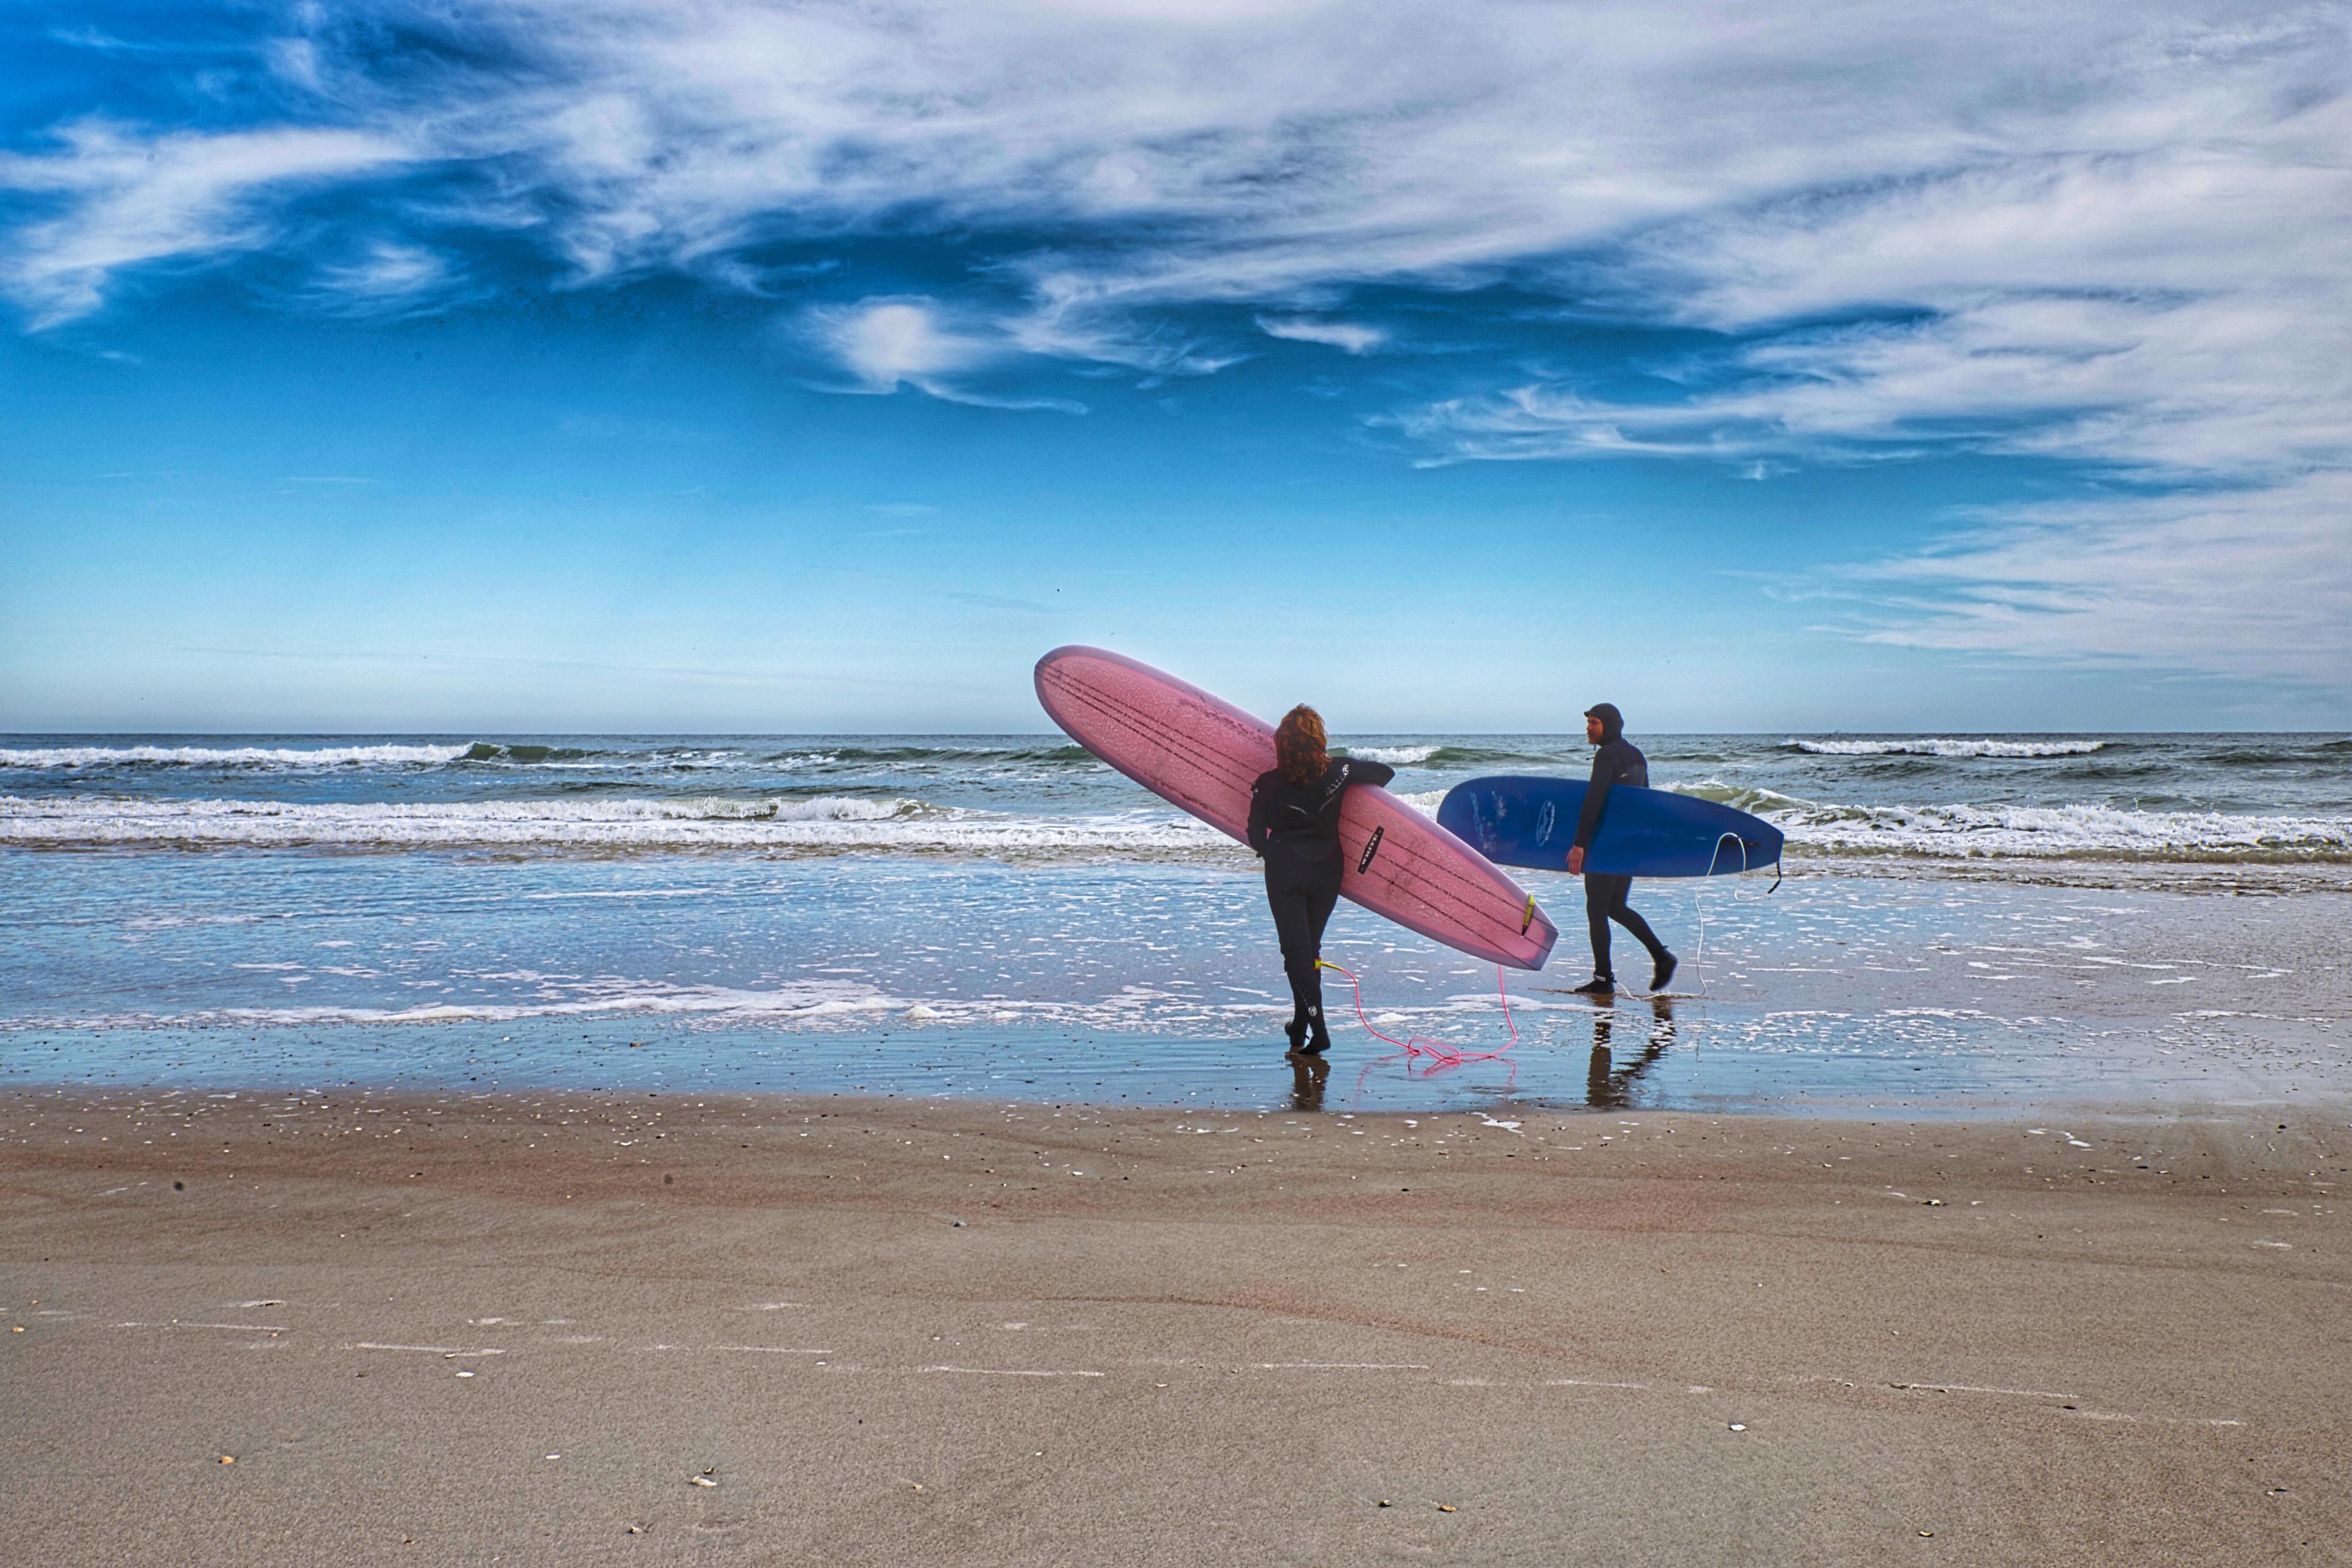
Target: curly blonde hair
1299, 746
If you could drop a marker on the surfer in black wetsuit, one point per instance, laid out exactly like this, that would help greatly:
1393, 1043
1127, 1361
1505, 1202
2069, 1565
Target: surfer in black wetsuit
1293, 825
1617, 760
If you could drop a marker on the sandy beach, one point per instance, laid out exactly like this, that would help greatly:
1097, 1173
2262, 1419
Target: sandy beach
590, 1328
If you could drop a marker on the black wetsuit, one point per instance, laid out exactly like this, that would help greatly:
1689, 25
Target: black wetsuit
1617, 760
1297, 832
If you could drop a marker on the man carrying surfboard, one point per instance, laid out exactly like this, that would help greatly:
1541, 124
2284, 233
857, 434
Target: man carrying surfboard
1617, 760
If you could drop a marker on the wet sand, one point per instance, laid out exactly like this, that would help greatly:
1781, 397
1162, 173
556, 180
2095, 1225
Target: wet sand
527, 1328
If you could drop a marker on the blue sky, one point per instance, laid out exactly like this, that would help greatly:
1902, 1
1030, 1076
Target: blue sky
732, 366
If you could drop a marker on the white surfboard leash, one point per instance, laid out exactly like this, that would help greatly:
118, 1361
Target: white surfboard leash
1698, 900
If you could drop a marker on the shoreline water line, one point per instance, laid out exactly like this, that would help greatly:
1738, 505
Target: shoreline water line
854, 824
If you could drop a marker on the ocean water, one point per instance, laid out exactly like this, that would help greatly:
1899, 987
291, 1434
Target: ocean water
2250, 799
1968, 919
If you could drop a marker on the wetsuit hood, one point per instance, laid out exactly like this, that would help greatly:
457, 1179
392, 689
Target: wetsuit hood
1612, 723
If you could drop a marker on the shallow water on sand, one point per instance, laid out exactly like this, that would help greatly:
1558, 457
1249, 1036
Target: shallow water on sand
1974, 919
1144, 983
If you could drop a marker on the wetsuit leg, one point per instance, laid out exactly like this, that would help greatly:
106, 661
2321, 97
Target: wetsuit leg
1296, 927
1623, 913
1320, 903
1604, 896
1319, 914
1302, 907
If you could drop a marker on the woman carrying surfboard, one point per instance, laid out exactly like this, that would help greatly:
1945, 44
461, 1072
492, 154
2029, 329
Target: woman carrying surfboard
1293, 825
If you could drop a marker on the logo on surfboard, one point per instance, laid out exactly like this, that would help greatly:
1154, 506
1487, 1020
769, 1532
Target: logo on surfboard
1372, 847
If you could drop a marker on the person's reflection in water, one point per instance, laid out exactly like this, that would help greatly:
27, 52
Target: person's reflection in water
1307, 1077
1608, 1087
1596, 1077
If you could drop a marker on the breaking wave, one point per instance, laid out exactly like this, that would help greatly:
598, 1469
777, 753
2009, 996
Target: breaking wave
825, 825
2042, 833
803, 1002
230, 756
715, 753
490, 751
1934, 747
2069, 832
1755, 800
1535, 751
1043, 751
2037, 832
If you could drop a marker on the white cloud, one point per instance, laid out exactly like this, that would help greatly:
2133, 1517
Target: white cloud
1757, 163
2236, 385
2107, 234
887, 343
1351, 336
387, 275
295, 60
2256, 583
130, 198
2101, 234
2163, 312
2176, 311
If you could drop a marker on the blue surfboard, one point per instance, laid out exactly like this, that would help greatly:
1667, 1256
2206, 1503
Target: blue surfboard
1526, 820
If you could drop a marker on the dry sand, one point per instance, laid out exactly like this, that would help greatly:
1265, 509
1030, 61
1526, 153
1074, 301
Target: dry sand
525, 1329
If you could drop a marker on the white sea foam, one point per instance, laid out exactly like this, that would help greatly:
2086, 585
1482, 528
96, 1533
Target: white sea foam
2072, 831
815, 1006
1923, 746
801, 1002
854, 824
226, 756
806, 1002
2063, 831
828, 823
1394, 756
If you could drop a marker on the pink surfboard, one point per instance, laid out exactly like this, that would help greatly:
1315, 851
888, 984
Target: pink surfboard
1202, 755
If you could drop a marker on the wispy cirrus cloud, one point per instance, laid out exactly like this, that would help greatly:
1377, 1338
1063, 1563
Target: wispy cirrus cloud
2104, 238
1177, 154
387, 277
1352, 337
2176, 317
886, 344
124, 198
1108, 158
2112, 308
2160, 385
2256, 584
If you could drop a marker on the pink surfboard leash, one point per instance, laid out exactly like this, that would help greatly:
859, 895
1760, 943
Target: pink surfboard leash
1439, 1053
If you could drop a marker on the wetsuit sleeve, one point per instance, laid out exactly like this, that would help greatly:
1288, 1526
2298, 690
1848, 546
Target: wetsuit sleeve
1261, 831
1608, 767
1345, 771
